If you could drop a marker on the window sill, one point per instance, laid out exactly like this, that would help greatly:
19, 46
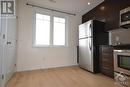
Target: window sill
51, 46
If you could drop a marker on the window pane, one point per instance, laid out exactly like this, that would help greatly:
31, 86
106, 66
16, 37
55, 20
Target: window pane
42, 29
59, 31
43, 17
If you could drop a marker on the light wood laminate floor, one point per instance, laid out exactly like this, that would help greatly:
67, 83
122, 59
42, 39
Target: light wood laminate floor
60, 77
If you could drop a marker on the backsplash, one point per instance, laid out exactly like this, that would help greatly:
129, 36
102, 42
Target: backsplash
119, 37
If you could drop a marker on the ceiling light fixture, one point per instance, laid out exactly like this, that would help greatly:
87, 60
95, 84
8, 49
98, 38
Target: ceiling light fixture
88, 3
102, 8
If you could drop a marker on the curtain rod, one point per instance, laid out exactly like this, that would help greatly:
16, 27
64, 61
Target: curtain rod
49, 9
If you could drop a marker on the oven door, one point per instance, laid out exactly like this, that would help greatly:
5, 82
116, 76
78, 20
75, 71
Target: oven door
122, 62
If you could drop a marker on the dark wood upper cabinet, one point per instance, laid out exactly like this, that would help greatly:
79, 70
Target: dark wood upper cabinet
108, 12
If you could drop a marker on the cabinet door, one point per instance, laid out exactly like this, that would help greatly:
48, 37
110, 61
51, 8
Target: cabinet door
106, 61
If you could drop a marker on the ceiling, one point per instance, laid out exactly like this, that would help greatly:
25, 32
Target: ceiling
73, 6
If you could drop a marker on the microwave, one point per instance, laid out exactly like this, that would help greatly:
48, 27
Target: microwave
125, 18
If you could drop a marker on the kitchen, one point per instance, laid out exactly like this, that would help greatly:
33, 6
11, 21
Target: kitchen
109, 46
115, 56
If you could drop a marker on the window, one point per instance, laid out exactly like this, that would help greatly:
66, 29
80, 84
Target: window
50, 30
42, 29
59, 31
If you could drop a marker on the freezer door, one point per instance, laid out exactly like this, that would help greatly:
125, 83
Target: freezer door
82, 31
85, 30
86, 54
90, 29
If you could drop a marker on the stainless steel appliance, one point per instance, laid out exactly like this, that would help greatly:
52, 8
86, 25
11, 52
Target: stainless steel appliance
122, 61
91, 35
122, 65
125, 18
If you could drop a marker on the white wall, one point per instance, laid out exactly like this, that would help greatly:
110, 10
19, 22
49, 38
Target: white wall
30, 58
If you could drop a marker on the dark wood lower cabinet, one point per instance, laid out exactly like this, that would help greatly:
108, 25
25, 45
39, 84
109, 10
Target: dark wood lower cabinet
107, 61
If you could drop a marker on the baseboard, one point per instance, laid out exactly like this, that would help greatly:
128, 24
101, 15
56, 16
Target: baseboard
50, 68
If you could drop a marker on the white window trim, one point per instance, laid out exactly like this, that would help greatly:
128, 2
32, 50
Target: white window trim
51, 14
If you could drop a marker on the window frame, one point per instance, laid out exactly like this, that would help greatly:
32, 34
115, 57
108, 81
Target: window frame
52, 14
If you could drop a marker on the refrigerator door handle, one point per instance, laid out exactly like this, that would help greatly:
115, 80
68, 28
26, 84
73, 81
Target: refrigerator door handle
90, 44
90, 30
90, 36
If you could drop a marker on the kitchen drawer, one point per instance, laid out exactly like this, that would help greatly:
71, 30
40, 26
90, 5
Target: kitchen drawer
107, 71
107, 61
107, 68
110, 67
106, 50
107, 54
106, 64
